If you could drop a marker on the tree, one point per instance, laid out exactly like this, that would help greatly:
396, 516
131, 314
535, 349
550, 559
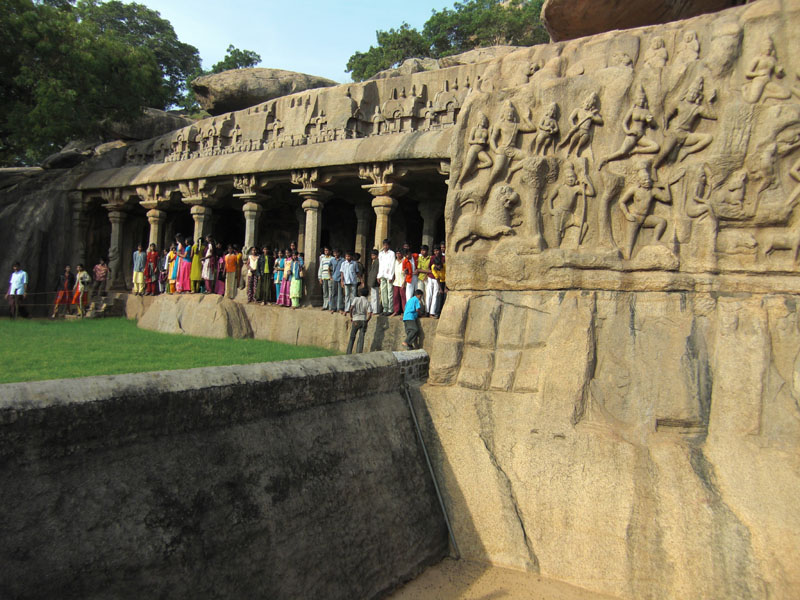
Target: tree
236, 59
469, 25
143, 28
61, 76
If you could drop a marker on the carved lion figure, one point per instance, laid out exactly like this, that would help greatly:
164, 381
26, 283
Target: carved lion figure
492, 222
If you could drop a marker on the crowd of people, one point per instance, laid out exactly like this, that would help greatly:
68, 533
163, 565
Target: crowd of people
397, 283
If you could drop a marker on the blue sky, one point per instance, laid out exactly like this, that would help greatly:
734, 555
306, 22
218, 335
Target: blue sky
309, 36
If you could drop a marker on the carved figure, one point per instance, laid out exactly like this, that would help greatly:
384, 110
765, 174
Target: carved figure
477, 157
760, 72
731, 205
705, 225
790, 240
378, 122
564, 202
656, 56
636, 203
503, 140
689, 49
583, 120
763, 168
635, 125
682, 138
492, 222
548, 130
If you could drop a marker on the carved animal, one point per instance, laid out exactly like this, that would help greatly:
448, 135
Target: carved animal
492, 222
784, 241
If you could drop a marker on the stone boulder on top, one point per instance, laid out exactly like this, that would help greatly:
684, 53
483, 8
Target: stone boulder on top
236, 89
570, 19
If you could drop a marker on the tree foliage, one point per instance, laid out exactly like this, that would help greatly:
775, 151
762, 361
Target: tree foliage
236, 59
468, 25
61, 76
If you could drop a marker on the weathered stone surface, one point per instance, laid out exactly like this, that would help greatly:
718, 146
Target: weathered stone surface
204, 315
302, 479
646, 446
569, 19
152, 123
215, 316
241, 88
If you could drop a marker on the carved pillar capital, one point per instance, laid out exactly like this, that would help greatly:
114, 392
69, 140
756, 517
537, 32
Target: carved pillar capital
153, 195
198, 192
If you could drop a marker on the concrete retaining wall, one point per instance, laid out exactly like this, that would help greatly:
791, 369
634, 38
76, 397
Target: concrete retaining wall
301, 479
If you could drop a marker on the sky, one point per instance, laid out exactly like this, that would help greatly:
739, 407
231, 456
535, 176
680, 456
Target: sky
309, 36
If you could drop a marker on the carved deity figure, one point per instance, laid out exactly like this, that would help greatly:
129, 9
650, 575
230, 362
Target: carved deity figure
730, 200
701, 247
566, 199
378, 122
477, 156
635, 125
548, 130
656, 56
583, 120
503, 139
682, 138
636, 204
760, 73
689, 48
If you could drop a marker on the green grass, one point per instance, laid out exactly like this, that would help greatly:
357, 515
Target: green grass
32, 350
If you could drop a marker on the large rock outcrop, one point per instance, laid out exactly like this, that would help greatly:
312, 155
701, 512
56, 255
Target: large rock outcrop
569, 19
152, 123
241, 88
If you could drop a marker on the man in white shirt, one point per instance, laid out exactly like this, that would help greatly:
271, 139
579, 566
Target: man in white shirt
385, 276
324, 276
360, 314
17, 289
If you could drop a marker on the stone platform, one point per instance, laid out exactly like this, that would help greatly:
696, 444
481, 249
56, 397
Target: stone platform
215, 316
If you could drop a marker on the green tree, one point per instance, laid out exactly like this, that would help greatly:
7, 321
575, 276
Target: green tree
143, 28
468, 25
236, 59
60, 76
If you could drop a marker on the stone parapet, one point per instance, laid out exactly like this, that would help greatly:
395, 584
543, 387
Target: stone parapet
278, 480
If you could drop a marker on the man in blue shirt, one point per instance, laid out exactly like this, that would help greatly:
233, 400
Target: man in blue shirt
349, 271
336, 301
411, 319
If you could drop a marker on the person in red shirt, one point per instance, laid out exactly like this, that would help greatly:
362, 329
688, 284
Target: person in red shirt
151, 271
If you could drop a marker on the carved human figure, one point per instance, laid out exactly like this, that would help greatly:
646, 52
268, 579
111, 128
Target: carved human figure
503, 139
689, 48
636, 203
730, 202
791, 239
564, 201
701, 246
583, 120
682, 138
548, 130
656, 56
635, 125
760, 73
378, 122
763, 167
477, 156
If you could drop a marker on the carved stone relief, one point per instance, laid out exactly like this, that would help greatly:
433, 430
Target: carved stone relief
680, 157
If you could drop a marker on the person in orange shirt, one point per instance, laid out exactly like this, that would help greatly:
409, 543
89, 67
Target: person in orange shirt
231, 273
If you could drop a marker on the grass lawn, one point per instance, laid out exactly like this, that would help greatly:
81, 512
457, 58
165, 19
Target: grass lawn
37, 349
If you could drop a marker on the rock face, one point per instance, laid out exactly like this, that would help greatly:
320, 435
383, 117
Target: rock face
241, 88
661, 427
419, 65
208, 316
569, 19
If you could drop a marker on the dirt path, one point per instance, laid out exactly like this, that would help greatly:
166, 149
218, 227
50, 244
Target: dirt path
462, 580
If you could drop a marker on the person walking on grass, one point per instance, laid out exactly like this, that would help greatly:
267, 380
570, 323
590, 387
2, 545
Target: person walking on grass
81, 297
17, 290
139, 262
64, 285
411, 320
360, 314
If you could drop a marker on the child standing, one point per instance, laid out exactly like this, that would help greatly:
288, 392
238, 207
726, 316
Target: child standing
252, 274
296, 286
151, 270
278, 277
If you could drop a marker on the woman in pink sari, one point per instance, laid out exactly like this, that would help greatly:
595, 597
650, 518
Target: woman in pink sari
184, 283
284, 297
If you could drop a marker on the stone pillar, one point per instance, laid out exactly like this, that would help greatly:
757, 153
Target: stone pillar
312, 205
156, 218
79, 222
362, 231
202, 218
383, 204
430, 211
251, 211
117, 217
300, 214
